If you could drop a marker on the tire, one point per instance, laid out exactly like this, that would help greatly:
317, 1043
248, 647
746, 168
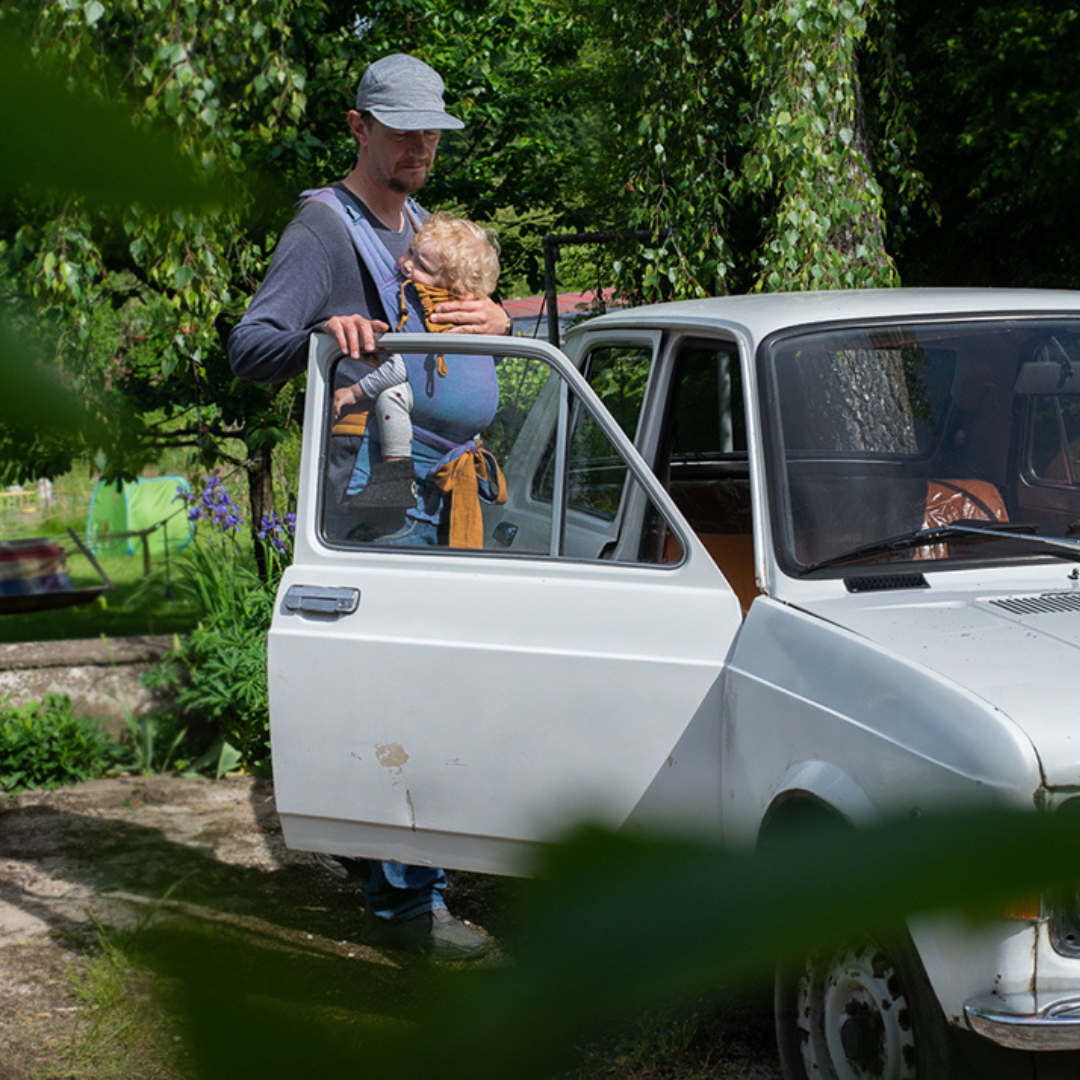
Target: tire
861, 1010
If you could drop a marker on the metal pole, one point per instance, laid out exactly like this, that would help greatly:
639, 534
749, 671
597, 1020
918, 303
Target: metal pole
553, 242
551, 287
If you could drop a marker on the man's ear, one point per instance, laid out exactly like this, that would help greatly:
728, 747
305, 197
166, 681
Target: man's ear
358, 127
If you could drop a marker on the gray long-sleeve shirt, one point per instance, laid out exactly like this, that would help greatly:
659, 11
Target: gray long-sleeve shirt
315, 274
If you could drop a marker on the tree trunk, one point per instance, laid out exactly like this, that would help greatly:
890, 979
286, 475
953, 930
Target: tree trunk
867, 393
261, 497
865, 229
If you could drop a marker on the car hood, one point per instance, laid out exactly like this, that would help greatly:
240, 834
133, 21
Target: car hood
1020, 653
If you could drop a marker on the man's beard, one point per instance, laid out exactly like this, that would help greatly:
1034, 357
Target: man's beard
400, 185
403, 187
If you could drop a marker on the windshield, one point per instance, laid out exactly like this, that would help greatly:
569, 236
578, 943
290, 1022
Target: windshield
880, 432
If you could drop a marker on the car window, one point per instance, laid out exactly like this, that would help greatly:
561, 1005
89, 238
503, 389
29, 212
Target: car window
619, 375
507, 460
861, 394
1054, 440
703, 458
597, 474
707, 419
881, 431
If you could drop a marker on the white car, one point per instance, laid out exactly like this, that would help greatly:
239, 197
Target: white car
761, 560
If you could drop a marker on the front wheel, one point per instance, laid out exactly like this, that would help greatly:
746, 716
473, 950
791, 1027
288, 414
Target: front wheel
860, 1011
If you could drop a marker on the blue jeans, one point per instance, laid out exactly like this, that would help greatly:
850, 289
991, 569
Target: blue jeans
395, 891
416, 532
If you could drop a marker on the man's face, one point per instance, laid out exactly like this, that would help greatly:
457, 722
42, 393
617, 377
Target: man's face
399, 160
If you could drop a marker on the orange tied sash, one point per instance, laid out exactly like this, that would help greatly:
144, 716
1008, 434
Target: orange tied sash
430, 299
352, 421
460, 477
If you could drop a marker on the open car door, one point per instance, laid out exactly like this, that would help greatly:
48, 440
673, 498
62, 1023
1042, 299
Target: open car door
457, 705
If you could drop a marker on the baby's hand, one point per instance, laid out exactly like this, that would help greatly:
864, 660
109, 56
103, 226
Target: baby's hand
347, 395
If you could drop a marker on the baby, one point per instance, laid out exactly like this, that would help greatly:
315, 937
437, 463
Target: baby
448, 258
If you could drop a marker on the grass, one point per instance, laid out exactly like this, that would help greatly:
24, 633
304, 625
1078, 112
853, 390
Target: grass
704, 1039
122, 1029
236, 966
137, 606
135, 1020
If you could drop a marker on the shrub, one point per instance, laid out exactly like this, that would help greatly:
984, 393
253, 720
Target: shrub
219, 669
155, 743
43, 744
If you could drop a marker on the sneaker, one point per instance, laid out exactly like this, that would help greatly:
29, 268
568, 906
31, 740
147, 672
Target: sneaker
434, 933
392, 485
376, 524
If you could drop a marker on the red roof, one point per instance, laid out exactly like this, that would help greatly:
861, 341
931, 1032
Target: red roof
569, 303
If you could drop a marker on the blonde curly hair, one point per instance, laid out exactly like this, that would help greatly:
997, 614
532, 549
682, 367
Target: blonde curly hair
469, 253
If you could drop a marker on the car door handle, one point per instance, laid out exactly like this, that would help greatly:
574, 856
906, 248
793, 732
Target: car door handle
322, 600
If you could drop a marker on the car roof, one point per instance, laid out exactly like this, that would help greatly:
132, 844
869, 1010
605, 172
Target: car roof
763, 313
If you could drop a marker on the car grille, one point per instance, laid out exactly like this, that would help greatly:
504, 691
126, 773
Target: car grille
1046, 604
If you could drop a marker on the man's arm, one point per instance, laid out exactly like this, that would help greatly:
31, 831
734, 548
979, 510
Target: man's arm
270, 344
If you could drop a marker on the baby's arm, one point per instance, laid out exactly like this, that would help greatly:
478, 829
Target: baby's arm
390, 372
347, 395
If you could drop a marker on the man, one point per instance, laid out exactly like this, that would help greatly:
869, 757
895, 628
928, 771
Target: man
330, 272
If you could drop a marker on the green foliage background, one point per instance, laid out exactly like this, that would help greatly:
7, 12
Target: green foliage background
776, 144
735, 135
999, 124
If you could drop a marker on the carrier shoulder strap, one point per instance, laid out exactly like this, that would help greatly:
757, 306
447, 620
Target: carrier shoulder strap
374, 256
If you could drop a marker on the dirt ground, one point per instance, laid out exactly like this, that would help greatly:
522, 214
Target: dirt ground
126, 853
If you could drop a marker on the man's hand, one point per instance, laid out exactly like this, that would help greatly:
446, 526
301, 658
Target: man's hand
473, 315
354, 333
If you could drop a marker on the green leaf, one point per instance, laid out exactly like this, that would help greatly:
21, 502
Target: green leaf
182, 275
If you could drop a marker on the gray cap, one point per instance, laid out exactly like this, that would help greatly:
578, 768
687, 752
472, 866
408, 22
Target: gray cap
406, 94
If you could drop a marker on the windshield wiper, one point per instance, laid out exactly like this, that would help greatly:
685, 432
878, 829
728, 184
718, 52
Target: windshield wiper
998, 530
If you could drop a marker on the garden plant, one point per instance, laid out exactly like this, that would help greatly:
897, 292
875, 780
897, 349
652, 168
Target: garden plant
218, 670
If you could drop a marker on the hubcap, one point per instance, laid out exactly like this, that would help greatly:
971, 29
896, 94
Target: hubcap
854, 1016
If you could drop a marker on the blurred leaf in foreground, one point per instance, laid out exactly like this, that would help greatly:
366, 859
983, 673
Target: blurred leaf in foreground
61, 141
32, 395
66, 142
44, 424
606, 936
